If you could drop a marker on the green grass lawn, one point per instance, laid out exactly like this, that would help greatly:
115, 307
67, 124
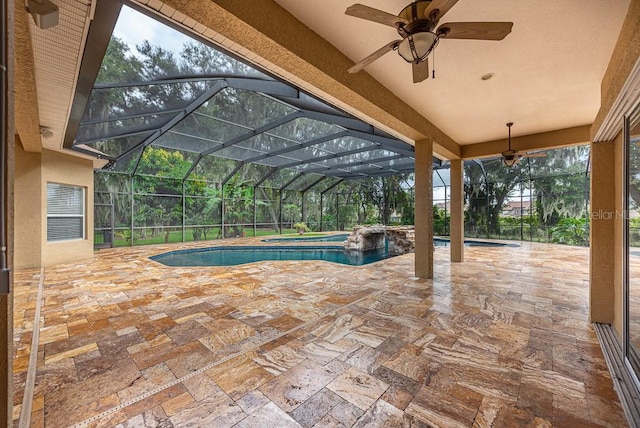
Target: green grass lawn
176, 236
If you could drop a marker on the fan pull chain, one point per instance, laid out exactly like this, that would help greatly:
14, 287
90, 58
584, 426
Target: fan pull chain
433, 70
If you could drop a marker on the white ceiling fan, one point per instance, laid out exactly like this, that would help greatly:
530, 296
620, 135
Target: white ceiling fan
416, 25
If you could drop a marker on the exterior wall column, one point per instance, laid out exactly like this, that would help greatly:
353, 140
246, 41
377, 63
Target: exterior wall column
424, 209
456, 219
7, 181
602, 234
28, 224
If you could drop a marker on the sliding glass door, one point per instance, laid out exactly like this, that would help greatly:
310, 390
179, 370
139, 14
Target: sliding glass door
632, 242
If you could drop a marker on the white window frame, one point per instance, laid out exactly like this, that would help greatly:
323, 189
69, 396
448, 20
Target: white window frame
81, 216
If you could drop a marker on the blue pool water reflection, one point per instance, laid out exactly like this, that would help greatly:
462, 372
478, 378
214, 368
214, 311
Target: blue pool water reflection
231, 256
235, 255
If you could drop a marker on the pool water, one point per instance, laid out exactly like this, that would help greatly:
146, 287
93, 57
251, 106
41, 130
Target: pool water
327, 238
235, 255
231, 256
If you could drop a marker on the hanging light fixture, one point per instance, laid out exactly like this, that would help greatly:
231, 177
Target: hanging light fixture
417, 46
510, 161
510, 157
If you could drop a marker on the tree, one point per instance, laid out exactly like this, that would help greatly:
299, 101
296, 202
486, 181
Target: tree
162, 188
561, 184
487, 185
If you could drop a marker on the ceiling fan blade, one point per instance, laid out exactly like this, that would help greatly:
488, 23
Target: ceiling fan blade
374, 56
475, 30
375, 15
420, 70
442, 5
534, 155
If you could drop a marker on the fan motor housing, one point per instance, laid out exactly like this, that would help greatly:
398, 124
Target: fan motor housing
418, 26
415, 10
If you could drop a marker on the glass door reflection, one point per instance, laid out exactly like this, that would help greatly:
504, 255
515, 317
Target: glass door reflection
632, 137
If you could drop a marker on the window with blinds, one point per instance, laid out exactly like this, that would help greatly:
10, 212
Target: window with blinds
65, 212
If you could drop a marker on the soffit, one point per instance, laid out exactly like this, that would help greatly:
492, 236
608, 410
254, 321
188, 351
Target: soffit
57, 53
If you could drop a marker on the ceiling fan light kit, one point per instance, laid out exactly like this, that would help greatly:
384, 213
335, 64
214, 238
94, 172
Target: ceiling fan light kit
418, 46
511, 157
510, 161
416, 24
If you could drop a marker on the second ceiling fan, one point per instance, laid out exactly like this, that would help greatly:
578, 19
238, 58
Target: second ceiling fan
416, 24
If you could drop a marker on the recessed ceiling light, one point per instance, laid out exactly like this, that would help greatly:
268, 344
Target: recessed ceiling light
488, 76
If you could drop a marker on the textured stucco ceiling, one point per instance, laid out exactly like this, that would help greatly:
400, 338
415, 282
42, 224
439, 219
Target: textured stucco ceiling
547, 71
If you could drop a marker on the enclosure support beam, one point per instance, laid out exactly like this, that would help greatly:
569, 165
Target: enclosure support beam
280, 212
531, 208
222, 211
306, 189
521, 211
602, 249
255, 208
290, 182
132, 209
203, 98
255, 213
184, 211
337, 211
446, 213
322, 199
530, 184
224, 183
112, 199
424, 209
321, 203
456, 225
267, 176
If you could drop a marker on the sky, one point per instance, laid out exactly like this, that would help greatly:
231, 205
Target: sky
135, 27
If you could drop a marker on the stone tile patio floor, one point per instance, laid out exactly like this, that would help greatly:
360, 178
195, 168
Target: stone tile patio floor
500, 340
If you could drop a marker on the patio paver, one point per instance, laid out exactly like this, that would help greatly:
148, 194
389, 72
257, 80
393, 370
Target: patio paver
502, 339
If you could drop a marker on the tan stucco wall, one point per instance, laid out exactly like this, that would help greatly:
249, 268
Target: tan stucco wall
607, 228
602, 245
607, 246
624, 57
28, 224
423, 203
456, 219
6, 301
60, 168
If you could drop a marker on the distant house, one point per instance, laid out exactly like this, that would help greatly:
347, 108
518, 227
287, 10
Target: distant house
395, 217
444, 205
516, 208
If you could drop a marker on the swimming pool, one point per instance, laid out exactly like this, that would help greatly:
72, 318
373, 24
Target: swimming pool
326, 238
238, 255
234, 255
